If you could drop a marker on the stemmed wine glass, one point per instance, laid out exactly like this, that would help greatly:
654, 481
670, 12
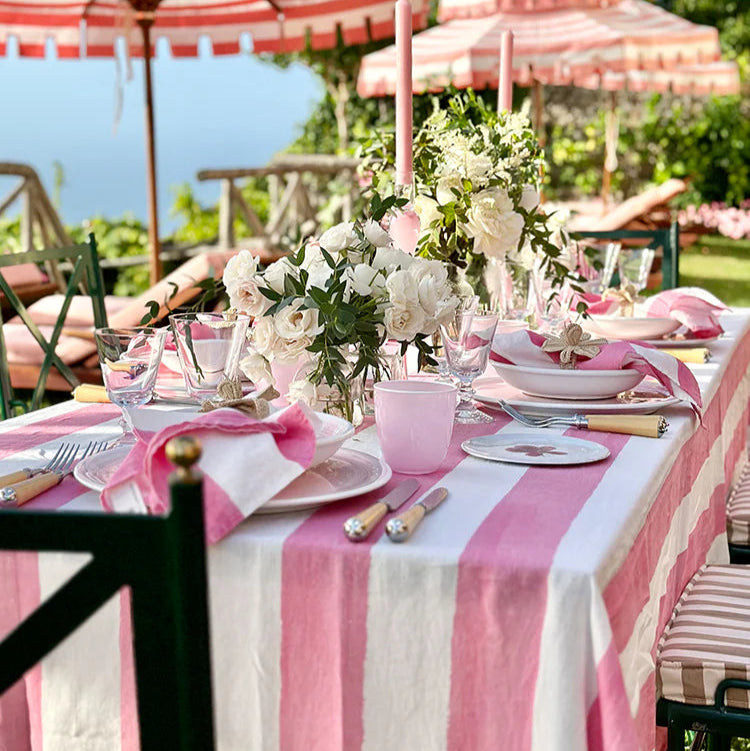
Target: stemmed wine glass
635, 266
467, 339
129, 358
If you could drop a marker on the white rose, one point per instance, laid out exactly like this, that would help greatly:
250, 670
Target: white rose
404, 322
292, 323
303, 391
391, 259
319, 272
444, 189
291, 350
239, 268
366, 280
529, 198
427, 211
247, 297
403, 289
494, 225
478, 168
376, 234
338, 238
275, 274
265, 337
256, 368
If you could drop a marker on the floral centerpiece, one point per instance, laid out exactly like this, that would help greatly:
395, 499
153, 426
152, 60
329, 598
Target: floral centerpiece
331, 306
477, 176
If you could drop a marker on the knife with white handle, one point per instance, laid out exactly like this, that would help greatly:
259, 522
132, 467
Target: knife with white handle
401, 527
356, 528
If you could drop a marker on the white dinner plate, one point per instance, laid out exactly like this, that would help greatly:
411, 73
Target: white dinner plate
630, 327
645, 399
560, 383
523, 448
672, 342
346, 474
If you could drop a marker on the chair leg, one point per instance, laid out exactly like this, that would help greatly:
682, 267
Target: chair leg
675, 736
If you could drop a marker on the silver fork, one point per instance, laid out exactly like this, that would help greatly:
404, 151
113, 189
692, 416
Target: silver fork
17, 494
650, 426
24, 474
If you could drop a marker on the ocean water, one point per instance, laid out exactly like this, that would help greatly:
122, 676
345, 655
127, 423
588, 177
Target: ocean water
210, 112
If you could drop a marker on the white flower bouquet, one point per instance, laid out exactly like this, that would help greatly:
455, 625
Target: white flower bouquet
335, 303
477, 176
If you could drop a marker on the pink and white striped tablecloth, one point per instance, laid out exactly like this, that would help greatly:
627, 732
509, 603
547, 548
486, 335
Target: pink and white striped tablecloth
523, 614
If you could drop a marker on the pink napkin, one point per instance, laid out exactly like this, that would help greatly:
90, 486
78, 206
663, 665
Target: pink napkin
695, 308
245, 462
525, 348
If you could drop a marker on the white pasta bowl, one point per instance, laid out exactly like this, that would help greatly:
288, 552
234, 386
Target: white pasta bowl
330, 434
558, 383
633, 328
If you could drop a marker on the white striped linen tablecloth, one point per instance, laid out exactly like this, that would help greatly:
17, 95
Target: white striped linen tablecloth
523, 614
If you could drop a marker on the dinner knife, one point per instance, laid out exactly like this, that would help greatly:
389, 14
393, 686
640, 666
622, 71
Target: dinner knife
401, 527
358, 527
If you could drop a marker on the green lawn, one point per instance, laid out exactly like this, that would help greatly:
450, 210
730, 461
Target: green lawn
719, 265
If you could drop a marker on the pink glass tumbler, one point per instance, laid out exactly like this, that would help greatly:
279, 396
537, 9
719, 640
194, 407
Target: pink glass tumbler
414, 421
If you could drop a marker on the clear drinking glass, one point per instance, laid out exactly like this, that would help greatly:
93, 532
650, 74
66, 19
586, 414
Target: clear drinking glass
209, 347
467, 340
597, 263
129, 359
635, 266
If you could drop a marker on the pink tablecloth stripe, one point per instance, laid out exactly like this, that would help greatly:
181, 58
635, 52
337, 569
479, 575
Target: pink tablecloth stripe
501, 600
59, 427
324, 605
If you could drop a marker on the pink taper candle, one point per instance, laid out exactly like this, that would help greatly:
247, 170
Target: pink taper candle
505, 83
404, 165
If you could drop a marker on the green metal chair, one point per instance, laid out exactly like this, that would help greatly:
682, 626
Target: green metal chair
666, 238
162, 560
84, 273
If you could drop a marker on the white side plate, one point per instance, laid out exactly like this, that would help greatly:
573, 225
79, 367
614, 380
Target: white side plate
523, 448
645, 399
633, 328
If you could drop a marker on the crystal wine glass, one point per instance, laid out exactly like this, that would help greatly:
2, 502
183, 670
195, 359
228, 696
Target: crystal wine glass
635, 266
129, 358
467, 340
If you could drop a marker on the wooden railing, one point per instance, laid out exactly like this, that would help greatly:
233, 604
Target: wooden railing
298, 188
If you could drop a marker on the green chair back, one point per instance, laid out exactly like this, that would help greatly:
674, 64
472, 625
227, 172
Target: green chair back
666, 238
162, 560
85, 272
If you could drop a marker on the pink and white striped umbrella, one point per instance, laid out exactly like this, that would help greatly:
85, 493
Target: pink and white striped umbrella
632, 44
480, 8
92, 28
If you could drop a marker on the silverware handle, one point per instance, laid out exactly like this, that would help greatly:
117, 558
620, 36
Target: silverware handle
401, 527
18, 494
650, 426
13, 477
358, 527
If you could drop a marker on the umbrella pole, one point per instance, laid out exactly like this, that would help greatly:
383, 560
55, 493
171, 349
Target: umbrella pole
154, 262
610, 150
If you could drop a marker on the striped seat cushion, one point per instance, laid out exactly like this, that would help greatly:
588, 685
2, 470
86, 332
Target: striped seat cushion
708, 638
738, 511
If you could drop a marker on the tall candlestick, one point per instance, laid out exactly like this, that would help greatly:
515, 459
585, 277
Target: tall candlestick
404, 123
505, 82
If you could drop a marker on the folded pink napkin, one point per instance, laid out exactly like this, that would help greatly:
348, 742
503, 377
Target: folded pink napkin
695, 308
245, 462
525, 348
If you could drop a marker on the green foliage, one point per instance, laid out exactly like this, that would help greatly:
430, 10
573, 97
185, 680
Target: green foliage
119, 238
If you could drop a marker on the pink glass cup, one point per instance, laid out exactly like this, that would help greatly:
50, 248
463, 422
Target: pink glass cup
414, 420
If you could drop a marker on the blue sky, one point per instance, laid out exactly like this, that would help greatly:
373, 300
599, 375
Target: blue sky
229, 111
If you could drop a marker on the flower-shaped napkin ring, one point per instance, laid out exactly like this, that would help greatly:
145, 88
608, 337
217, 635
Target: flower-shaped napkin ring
570, 343
626, 295
230, 395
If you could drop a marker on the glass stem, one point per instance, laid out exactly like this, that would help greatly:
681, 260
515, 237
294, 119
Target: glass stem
466, 396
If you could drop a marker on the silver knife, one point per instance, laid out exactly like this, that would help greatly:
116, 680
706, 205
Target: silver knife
358, 527
401, 527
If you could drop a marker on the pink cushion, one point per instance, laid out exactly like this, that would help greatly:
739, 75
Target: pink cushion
80, 313
24, 273
22, 348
